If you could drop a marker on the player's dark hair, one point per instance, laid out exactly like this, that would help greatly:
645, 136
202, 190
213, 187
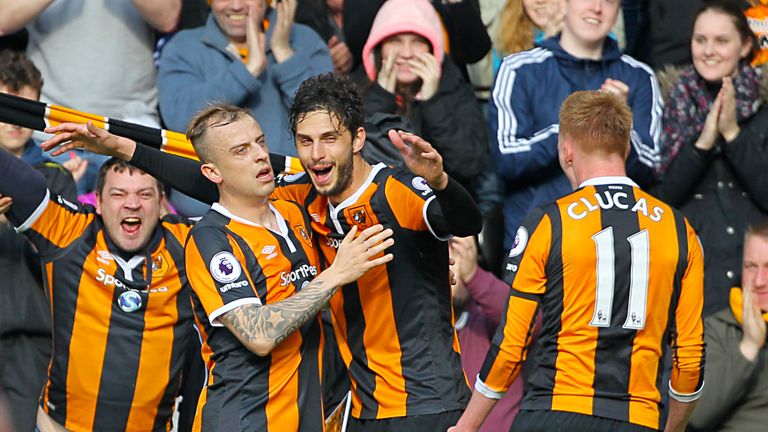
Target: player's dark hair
17, 71
119, 166
335, 94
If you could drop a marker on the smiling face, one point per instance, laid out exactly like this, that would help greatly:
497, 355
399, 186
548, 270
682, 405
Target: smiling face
14, 138
539, 11
406, 46
716, 46
326, 150
129, 204
756, 268
239, 160
588, 22
231, 16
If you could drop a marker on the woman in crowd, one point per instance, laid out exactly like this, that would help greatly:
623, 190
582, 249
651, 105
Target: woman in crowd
409, 83
715, 136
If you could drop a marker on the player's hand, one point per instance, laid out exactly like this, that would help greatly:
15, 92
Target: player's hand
616, 87
420, 157
5, 205
280, 41
464, 251
87, 137
255, 39
340, 55
425, 66
458, 428
709, 133
387, 77
727, 124
753, 324
358, 253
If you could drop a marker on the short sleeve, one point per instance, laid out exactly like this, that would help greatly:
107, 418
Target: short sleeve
218, 273
55, 224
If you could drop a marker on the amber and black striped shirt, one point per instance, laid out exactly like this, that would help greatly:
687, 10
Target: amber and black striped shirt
111, 369
617, 276
394, 325
233, 262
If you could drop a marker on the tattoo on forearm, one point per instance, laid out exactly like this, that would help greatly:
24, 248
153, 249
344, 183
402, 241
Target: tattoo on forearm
275, 322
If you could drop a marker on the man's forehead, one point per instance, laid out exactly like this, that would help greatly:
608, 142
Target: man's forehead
319, 122
128, 179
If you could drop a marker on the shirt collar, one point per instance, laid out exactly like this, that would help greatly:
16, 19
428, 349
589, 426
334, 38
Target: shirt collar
607, 180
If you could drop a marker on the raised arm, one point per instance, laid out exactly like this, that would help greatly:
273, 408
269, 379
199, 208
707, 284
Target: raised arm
456, 212
163, 15
262, 328
18, 13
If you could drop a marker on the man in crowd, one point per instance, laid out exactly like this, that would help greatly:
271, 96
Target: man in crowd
247, 54
119, 298
736, 352
25, 320
600, 354
394, 325
532, 85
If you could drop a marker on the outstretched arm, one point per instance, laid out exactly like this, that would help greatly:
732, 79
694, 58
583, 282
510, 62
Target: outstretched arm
262, 328
179, 172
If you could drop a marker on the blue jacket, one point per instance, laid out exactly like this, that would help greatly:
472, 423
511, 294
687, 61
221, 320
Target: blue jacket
524, 120
196, 69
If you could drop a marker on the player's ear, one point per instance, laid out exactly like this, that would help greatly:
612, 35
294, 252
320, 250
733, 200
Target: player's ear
358, 140
211, 172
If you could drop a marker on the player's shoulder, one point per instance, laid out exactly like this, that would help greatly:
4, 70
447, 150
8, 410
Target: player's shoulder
411, 181
289, 210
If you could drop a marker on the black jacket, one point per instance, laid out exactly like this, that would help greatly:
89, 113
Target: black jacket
451, 121
721, 192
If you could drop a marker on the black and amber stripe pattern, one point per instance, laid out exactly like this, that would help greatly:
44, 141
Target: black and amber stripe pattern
110, 369
278, 392
394, 325
618, 276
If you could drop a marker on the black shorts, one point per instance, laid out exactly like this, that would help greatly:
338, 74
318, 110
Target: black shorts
439, 422
561, 421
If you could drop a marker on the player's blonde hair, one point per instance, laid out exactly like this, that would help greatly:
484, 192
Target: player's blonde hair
597, 122
215, 115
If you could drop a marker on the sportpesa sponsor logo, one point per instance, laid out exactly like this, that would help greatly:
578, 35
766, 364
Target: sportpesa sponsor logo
302, 272
109, 280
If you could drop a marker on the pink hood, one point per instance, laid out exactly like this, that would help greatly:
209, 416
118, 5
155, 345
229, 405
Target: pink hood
404, 16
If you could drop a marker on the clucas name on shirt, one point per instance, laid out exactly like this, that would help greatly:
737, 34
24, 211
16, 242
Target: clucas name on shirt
608, 200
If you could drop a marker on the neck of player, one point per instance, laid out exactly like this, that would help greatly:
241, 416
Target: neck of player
255, 210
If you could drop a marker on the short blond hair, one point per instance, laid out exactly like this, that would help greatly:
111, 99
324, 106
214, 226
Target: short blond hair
597, 122
216, 115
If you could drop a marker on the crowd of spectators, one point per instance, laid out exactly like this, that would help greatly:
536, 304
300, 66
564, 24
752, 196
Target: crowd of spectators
481, 80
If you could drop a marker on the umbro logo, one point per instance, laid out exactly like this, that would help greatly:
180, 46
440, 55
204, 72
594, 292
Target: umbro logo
104, 257
269, 251
316, 217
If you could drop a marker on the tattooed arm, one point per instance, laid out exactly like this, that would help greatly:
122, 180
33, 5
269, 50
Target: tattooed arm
262, 328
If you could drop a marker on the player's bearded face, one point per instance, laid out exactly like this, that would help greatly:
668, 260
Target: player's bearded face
129, 205
325, 151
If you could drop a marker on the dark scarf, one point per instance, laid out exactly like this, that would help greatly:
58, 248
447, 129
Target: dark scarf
689, 102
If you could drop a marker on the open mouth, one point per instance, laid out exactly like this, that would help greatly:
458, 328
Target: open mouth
131, 224
322, 173
265, 175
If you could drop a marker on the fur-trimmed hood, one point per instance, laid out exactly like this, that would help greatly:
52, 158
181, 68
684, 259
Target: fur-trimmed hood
671, 74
